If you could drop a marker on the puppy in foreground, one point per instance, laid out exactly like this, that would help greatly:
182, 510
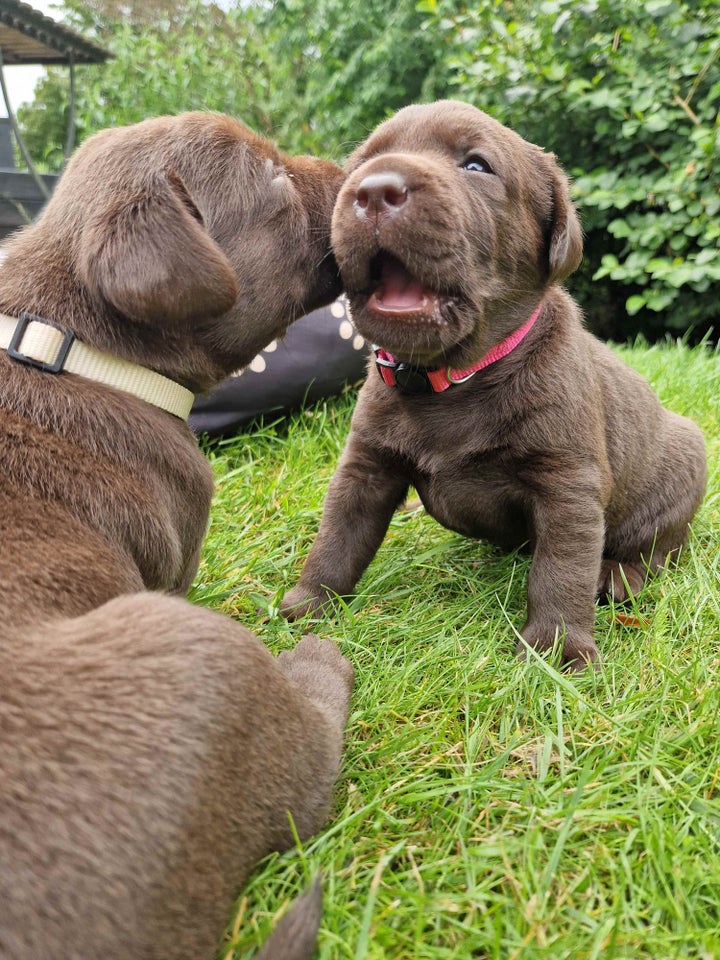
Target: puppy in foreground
511, 421
151, 751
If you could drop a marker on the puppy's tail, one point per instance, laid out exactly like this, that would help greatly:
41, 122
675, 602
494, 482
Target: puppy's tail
295, 937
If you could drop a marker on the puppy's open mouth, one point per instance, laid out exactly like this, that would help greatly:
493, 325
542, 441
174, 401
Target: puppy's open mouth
397, 310
396, 292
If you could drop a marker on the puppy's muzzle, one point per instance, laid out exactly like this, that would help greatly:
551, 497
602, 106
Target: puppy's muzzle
380, 196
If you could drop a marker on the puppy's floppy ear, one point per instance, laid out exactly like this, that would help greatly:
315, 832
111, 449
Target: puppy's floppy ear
150, 256
565, 237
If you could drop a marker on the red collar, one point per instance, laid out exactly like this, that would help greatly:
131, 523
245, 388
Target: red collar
415, 380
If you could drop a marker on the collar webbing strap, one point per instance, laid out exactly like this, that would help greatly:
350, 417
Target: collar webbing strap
419, 380
40, 343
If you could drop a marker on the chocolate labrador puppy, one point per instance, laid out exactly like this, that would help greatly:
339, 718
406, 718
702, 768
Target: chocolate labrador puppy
152, 751
513, 423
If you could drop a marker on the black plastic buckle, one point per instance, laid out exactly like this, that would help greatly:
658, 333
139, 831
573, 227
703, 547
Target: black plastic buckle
410, 380
58, 363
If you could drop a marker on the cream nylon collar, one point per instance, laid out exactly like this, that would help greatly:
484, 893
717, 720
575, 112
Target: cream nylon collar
41, 343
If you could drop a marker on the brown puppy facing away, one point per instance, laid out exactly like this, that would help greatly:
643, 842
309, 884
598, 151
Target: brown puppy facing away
512, 422
151, 751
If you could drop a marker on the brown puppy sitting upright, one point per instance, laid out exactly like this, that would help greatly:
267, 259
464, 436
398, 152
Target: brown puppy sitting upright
151, 751
512, 422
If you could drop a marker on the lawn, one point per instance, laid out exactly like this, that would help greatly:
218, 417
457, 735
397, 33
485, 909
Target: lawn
489, 808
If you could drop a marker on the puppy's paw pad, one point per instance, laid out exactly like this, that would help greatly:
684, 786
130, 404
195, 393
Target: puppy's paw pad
314, 664
311, 649
613, 579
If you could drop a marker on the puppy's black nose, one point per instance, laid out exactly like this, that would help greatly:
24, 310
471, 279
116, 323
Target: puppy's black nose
380, 195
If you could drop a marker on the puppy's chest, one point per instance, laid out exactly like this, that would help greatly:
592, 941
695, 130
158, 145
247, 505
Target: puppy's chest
465, 475
478, 500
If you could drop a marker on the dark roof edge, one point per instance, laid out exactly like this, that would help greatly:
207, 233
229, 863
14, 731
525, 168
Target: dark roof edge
24, 18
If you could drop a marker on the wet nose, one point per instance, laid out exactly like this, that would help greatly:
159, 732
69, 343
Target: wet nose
380, 195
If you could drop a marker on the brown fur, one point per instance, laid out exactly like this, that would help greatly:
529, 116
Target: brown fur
559, 444
151, 751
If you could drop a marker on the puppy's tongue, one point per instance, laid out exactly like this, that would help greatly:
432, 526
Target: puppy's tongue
399, 293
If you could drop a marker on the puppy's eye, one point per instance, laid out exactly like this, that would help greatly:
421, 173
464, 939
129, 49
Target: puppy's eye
476, 164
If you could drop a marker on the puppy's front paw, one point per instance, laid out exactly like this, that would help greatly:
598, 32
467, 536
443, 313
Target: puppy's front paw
617, 577
319, 669
299, 602
577, 649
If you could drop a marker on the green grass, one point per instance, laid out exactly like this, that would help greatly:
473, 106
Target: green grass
489, 808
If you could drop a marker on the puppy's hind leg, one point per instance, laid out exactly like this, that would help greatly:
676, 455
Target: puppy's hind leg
625, 568
651, 536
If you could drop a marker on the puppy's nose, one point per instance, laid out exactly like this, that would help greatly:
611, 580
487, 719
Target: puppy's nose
380, 195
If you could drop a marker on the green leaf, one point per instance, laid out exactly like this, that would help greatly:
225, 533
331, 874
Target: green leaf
634, 304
